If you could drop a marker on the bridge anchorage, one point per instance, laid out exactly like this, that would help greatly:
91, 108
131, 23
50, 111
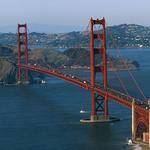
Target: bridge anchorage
99, 93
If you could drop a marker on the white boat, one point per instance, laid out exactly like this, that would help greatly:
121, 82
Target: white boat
43, 81
130, 142
82, 111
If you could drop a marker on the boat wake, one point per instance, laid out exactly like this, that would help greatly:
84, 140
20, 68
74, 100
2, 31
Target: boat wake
137, 147
134, 146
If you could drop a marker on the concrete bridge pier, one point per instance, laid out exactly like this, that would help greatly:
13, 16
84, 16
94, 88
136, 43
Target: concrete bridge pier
142, 124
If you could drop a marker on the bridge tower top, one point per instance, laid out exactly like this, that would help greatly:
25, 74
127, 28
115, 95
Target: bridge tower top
101, 36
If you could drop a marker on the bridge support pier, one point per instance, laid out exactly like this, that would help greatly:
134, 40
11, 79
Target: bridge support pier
140, 124
99, 108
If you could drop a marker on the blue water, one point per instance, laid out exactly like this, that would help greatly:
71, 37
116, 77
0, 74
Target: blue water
46, 117
141, 55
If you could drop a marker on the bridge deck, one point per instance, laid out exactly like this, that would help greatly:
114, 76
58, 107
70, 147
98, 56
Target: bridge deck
121, 98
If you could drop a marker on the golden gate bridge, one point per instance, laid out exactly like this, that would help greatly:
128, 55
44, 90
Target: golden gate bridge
101, 94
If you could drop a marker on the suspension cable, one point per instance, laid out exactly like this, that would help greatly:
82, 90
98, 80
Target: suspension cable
85, 33
119, 78
117, 74
135, 81
127, 67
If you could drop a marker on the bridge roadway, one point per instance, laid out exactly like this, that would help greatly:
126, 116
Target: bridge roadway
141, 107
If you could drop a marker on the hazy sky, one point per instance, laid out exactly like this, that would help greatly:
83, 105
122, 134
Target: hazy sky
38, 13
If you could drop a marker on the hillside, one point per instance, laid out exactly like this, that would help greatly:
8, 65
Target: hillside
49, 58
81, 57
120, 36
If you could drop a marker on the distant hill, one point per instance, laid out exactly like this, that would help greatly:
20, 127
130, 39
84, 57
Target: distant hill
48, 58
77, 57
120, 36
128, 36
71, 58
81, 57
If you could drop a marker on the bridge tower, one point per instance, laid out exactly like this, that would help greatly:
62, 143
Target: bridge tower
99, 103
22, 50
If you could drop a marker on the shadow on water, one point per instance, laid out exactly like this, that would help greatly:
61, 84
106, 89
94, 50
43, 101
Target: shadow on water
55, 103
42, 117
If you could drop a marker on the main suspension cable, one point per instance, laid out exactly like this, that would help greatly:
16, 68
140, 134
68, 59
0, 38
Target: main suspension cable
127, 67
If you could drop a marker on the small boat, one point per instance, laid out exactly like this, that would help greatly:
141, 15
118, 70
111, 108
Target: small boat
82, 111
130, 142
43, 81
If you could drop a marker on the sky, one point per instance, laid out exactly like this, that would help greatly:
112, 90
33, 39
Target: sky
66, 15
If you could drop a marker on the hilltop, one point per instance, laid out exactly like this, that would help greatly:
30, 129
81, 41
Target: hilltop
120, 36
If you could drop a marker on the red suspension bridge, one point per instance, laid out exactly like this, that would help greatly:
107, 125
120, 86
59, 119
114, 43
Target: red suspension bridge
100, 94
